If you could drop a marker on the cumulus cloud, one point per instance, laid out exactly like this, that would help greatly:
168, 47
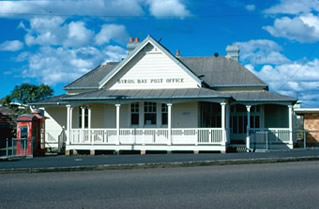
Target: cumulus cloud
56, 31
65, 50
12, 46
293, 7
292, 78
303, 28
78, 35
44, 31
95, 8
111, 31
99, 8
60, 65
168, 8
261, 51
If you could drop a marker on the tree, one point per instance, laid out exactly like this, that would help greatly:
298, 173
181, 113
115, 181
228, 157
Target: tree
27, 93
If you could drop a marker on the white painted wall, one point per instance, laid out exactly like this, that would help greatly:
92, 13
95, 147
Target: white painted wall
151, 69
53, 125
185, 115
97, 116
109, 116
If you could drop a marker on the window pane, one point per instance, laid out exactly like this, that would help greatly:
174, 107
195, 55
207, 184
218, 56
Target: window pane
164, 114
135, 107
164, 108
150, 119
164, 119
134, 119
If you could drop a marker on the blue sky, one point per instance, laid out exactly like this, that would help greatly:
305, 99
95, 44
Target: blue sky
55, 42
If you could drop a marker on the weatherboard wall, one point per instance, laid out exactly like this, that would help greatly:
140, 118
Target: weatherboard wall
151, 69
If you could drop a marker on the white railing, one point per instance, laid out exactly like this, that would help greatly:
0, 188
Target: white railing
271, 135
160, 136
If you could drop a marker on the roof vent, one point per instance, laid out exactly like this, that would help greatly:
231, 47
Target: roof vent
233, 52
216, 54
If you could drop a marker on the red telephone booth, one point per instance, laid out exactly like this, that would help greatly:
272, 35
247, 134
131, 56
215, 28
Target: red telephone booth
31, 126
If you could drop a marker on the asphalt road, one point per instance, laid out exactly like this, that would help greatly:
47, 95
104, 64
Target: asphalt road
83, 160
280, 185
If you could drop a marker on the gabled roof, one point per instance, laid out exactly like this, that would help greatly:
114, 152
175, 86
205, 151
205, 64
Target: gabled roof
222, 72
91, 79
139, 47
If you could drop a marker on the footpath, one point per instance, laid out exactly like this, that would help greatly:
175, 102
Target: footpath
61, 163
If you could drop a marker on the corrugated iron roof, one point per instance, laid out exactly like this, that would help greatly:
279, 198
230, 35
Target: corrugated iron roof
103, 94
222, 72
260, 96
91, 79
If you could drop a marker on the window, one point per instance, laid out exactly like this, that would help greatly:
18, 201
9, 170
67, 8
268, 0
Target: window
24, 132
210, 115
238, 121
150, 113
164, 114
135, 113
86, 118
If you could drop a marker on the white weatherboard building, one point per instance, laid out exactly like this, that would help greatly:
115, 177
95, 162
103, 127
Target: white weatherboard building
153, 100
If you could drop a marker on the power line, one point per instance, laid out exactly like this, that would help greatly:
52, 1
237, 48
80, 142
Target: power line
298, 69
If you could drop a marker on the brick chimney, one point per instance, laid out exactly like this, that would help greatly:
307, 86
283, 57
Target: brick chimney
178, 54
233, 52
132, 45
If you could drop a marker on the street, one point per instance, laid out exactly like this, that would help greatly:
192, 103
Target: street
280, 185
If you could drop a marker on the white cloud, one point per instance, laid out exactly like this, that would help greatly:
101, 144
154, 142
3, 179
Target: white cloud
45, 31
95, 8
100, 8
293, 7
116, 32
15, 45
261, 51
168, 8
303, 28
60, 65
57, 32
78, 35
114, 53
250, 7
293, 78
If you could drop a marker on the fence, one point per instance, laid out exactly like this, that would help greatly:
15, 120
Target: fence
270, 139
307, 138
14, 147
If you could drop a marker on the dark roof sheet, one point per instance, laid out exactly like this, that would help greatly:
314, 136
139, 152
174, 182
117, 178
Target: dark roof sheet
103, 94
56, 100
221, 71
92, 78
260, 96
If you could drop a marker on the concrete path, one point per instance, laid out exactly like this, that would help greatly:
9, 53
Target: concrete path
105, 162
